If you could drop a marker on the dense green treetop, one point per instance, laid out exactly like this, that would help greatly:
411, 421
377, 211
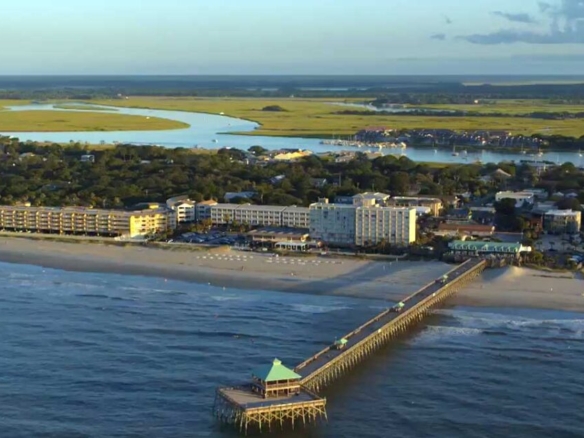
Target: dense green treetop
125, 175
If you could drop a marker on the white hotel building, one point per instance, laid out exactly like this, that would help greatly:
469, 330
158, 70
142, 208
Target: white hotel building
362, 225
333, 223
394, 225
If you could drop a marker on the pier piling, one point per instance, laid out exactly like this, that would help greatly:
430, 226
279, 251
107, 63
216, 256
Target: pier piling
295, 398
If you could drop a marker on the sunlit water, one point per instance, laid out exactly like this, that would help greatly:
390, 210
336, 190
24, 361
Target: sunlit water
98, 355
204, 129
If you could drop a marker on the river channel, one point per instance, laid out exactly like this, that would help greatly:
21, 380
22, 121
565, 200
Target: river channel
210, 131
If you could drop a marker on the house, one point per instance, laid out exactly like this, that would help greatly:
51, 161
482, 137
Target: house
318, 183
277, 179
522, 199
230, 196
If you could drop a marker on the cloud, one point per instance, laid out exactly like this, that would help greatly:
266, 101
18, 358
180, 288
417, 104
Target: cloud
438, 36
517, 18
566, 26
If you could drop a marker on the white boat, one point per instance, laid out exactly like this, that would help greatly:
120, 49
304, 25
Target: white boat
580, 153
215, 140
454, 153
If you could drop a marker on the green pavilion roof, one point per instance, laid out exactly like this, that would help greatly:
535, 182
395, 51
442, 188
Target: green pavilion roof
274, 372
480, 246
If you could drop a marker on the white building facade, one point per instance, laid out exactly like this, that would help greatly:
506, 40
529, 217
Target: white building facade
394, 225
203, 210
260, 215
562, 221
521, 199
333, 223
362, 225
296, 217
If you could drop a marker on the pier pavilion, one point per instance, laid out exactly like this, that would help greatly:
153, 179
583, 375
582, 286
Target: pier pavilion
274, 396
277, 394
275, 380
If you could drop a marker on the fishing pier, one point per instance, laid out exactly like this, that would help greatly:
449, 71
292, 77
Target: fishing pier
278, 395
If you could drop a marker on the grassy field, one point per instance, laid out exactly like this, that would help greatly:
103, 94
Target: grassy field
5, 103
67, 106
512, 107
52, 121
316, 118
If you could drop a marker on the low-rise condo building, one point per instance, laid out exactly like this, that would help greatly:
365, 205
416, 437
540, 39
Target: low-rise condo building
203, 210
433, 204
562, 221
84, 220
522, 199
183, 208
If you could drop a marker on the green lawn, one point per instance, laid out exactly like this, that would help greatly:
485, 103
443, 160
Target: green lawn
53, 121
316, 118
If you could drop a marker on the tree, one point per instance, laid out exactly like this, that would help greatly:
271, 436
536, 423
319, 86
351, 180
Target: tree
258, 150
569, 204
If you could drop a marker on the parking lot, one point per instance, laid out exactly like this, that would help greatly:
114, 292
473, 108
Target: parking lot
212, 238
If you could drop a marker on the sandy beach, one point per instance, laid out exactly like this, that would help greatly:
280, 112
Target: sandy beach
509, 287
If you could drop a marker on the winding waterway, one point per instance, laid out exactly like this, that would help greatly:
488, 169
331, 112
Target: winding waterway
211, 131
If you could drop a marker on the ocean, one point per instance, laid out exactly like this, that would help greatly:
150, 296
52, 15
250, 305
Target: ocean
104, 355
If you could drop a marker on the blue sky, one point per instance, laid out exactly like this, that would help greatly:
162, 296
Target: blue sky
292, 37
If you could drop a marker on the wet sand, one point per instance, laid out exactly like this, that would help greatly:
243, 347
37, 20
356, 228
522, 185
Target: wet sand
509, 287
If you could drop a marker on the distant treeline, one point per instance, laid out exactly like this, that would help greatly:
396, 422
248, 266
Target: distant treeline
456, 113
388, 89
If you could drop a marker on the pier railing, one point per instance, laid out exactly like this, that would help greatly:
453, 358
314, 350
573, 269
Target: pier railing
373, 320
241, 407
384, 327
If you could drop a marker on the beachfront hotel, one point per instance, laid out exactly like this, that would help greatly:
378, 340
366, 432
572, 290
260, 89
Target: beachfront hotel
260, 215
393, 225
364, 223
84, 221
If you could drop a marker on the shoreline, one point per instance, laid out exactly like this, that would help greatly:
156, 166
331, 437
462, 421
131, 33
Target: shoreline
510, 287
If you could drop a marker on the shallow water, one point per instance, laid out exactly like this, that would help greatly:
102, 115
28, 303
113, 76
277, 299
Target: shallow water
96, 355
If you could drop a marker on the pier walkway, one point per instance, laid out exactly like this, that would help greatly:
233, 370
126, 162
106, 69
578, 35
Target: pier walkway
322, 367
243, 406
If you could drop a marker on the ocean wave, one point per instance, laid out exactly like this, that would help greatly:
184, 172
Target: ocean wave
433, 333
313, 309
493, 321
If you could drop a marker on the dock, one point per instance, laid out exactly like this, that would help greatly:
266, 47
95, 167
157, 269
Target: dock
283, 396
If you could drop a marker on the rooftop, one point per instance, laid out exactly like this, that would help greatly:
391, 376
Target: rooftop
466, 227
275, 372
563, 213
514, 194
482, 246
416, 198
